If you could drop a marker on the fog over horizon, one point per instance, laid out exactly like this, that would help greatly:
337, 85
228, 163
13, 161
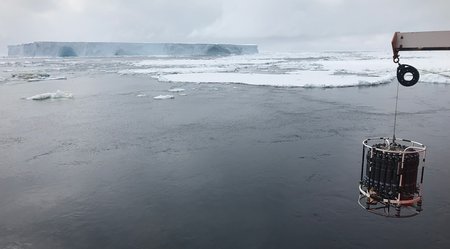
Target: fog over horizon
289, 25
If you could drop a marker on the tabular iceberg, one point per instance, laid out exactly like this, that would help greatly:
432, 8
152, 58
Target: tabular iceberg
100, 49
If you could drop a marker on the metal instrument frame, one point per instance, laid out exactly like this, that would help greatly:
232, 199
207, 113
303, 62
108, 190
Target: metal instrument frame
374, 203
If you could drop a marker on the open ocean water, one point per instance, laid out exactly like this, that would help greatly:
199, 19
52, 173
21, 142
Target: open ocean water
219, 165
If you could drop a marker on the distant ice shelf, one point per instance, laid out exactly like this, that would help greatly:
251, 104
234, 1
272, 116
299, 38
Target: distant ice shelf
104, 49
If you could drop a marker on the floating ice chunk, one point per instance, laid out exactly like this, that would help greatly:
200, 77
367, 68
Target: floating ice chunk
29, 76
56, 95
32, 77
176, 90
224, 61
173, 70
159, 97
50, 78
299, 79
141, 95
41, 96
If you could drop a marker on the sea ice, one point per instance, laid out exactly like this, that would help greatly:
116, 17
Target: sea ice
217, 62
301, 79
30, 76
305, 69
49, 78
174, 70
434, 78
160, 97
330, 69
56, 95
33, 77
176, 90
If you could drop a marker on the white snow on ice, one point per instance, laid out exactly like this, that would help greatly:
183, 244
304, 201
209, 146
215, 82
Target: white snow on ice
301, 69
331, 69
302, 79
51, 95
176, 90
161, 97
172, 70
44, 79
219, 61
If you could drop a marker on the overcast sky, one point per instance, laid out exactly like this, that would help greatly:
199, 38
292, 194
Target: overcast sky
275, 25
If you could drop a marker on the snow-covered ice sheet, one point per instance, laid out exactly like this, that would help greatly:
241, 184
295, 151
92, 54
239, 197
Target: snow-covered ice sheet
217, 61
304, 69
330, 69
303, 79
173, 70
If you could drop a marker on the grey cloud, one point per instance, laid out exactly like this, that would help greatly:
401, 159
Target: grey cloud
278, 24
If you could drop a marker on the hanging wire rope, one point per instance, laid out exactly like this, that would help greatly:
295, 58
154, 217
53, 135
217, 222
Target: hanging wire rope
395, 113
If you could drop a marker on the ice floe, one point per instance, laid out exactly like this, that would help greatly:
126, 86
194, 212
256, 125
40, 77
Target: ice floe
176, 90
303, 79
51, 95
33, 77
174, 70
30, 76
49, 78
161, 97
301, 69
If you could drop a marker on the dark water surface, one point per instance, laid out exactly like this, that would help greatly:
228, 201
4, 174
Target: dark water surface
226, 166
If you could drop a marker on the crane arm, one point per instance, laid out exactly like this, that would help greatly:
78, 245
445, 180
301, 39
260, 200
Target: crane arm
413, 41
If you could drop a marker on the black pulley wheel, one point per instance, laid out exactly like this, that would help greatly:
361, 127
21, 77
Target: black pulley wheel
404, 69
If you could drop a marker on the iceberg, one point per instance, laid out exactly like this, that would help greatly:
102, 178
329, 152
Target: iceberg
105, 49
